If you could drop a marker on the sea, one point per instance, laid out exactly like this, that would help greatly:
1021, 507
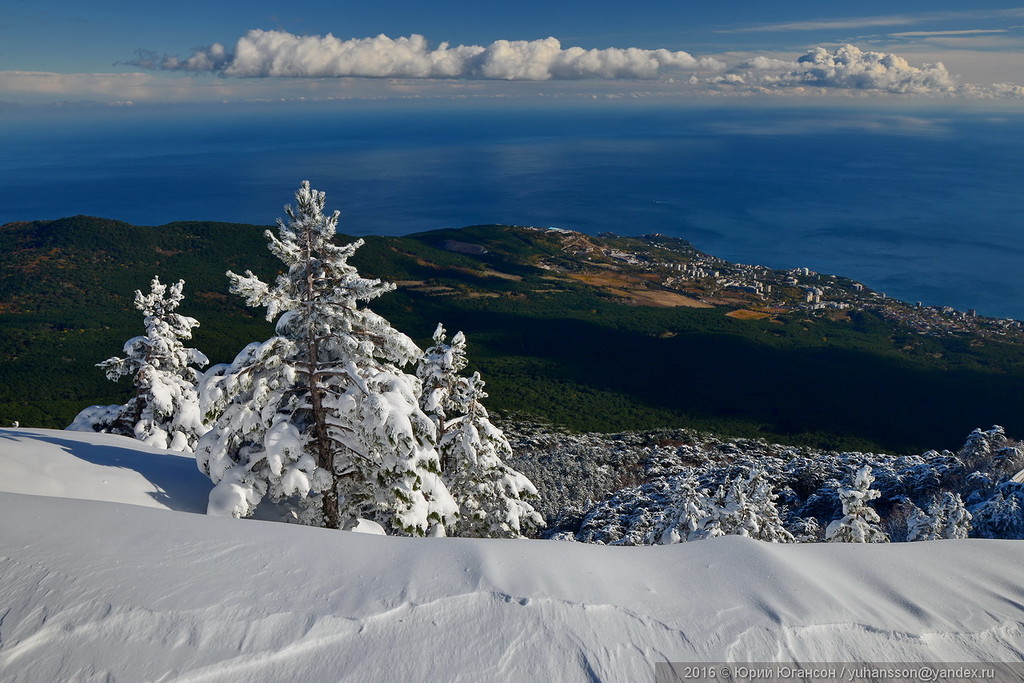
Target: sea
923, 202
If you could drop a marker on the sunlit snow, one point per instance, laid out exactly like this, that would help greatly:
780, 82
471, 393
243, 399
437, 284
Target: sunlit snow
110, 571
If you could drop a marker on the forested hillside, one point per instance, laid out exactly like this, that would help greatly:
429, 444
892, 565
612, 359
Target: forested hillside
586, 332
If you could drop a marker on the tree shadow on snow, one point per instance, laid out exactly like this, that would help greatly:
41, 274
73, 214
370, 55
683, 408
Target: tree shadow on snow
179, 484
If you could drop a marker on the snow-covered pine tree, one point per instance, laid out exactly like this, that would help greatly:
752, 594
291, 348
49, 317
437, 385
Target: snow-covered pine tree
322, 412
165, 409
947, 517
438, 371
492, 497
905, 521
769, 518
745, 506
1002, 515
860, 522
956, 520
683, 518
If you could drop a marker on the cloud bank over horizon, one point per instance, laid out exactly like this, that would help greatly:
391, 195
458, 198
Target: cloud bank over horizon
279, 54
261, 54
281, 66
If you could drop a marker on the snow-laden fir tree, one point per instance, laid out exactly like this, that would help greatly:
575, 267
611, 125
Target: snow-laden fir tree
860, 522
687, 514
1002, 515
745, 506
438, 371
905, 521
164, 412
321, 413
947, 517
493, 498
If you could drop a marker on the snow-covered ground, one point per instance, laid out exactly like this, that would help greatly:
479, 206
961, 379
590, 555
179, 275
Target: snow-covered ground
109, 571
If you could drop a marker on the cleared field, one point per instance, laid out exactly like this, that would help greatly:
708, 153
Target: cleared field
636, 290
746, 314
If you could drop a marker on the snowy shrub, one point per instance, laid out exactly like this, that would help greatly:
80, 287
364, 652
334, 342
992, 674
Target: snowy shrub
860, 522
806, 530
165, 409
321, 413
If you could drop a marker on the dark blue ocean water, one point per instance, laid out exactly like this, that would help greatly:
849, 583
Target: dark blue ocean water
923, 204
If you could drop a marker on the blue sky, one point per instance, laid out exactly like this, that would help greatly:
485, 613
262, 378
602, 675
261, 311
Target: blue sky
108, 51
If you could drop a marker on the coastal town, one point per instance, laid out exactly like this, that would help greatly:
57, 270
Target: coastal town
759, 292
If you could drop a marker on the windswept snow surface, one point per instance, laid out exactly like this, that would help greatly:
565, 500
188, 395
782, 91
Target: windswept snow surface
112, 589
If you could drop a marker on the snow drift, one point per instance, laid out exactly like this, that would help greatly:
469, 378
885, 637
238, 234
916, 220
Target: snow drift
113, 589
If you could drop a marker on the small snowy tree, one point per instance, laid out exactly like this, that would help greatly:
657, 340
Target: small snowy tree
949, 518
807, 530
322, 413
905, 521
684, 518
745, 506
860, 522
1002, 515
492, 497
920, 526
763, 497
165, 409
438, 371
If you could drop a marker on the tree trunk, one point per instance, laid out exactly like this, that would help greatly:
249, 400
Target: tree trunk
321, 444
320, 441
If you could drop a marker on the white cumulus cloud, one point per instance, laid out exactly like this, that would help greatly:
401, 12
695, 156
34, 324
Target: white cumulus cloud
282, 54
848, 67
